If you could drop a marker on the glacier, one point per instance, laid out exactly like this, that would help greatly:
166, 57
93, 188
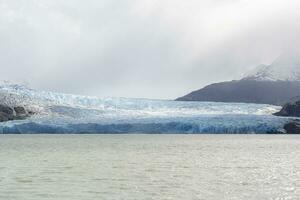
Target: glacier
74, 114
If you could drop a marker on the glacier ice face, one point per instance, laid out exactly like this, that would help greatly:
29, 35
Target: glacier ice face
66, 113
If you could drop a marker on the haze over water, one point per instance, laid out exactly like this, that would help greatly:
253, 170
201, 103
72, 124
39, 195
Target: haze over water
35, 167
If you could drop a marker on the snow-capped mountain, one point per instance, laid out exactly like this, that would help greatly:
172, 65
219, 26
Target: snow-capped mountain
275, 84
284, 68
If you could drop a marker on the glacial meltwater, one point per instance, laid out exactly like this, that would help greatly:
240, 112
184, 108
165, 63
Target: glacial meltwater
159, 167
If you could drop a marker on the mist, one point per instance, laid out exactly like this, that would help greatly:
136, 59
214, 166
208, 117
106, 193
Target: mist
132, 48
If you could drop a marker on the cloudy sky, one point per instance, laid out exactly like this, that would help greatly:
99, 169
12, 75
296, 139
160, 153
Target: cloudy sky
141, 48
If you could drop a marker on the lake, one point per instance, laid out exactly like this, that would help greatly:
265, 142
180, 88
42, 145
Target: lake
88, 167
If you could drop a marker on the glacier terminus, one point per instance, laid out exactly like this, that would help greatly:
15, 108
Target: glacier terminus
66, 113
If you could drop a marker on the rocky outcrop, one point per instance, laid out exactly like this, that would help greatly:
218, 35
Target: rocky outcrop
290, 110
8, 113
292, 127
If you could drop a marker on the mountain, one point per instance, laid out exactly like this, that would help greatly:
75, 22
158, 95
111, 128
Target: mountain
247, 91
284, 68
273, 84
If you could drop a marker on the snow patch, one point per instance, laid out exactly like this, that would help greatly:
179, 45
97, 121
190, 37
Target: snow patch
284, 68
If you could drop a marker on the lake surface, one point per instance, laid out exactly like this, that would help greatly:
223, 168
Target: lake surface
83, 167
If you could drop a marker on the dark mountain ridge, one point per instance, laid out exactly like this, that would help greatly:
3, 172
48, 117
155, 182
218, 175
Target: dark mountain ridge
275, 84
247, 91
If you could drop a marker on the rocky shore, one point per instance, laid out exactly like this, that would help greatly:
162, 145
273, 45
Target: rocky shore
291, 110
8, 113
293, 127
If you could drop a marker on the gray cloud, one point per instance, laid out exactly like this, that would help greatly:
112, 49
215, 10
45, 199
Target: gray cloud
133, 48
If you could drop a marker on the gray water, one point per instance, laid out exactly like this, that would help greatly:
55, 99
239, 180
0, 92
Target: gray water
83, 167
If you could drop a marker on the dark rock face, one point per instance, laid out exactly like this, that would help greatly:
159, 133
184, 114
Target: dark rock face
293, 127
247, 91
20, 110
290, 110
6, 109
4, 117
17, 113
6, 113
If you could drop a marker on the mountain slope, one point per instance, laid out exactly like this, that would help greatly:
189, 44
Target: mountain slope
247, 91
274, 84
284, 68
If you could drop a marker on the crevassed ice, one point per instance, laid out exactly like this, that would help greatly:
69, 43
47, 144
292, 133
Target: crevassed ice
66, 113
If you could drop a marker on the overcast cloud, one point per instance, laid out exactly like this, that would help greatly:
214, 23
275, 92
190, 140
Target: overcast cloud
141, 48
